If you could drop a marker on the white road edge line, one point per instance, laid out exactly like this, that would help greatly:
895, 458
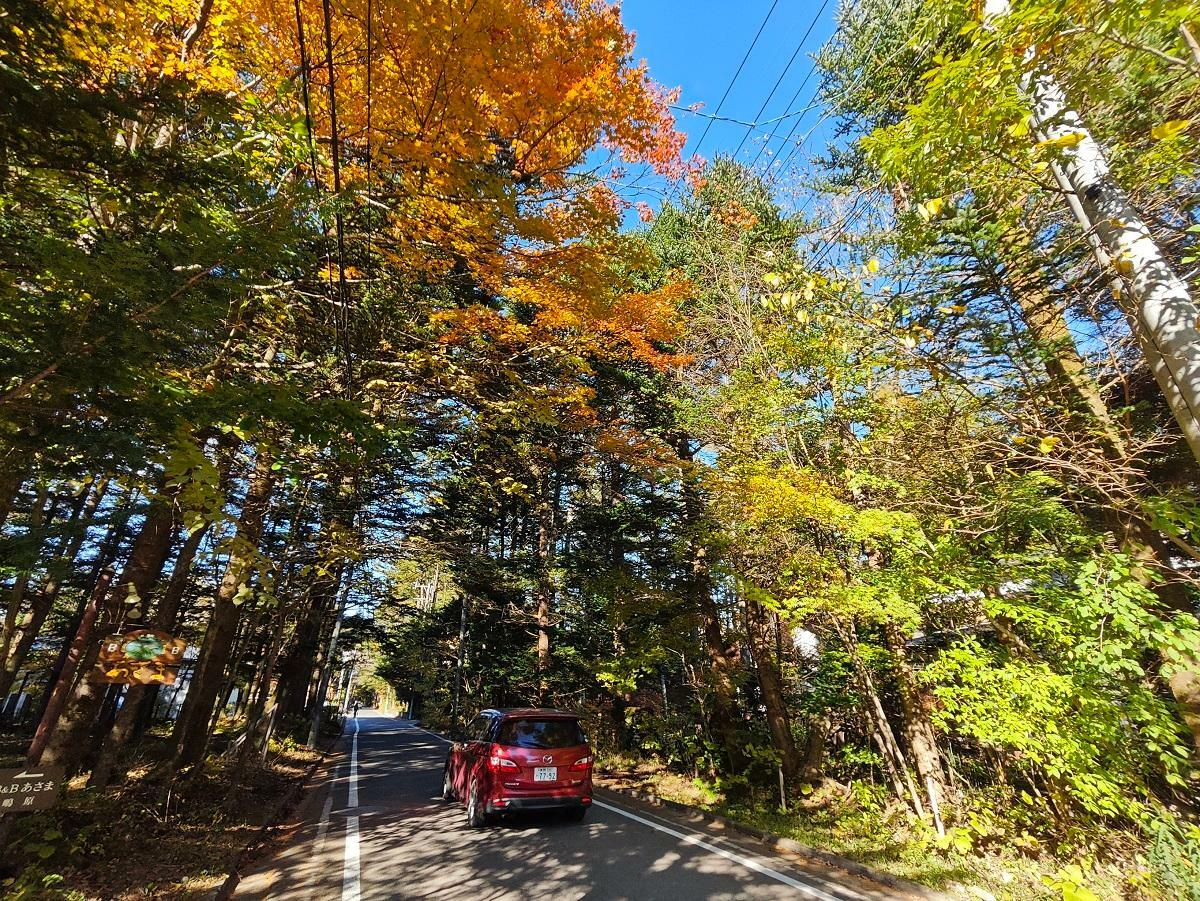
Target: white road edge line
434, 734
350, 861
319, 842
746, 862
350, 889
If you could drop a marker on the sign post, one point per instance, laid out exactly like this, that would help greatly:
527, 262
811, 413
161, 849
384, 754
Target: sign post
140, 657
30, 788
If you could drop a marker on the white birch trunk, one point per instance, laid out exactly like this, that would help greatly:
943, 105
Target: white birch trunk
1164, 313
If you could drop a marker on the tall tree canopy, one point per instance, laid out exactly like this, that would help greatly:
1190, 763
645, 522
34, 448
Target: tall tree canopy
321, 327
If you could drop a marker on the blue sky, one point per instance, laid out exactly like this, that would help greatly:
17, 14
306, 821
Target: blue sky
698, 45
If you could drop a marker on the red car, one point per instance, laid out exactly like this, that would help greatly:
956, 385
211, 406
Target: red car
527, 759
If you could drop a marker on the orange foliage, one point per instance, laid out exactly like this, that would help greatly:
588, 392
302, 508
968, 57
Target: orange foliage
482, 114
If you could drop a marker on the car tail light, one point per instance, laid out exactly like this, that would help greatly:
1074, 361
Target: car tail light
582, 764
498, 763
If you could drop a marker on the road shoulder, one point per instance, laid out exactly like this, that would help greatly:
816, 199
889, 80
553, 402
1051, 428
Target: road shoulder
281, 848
813, 860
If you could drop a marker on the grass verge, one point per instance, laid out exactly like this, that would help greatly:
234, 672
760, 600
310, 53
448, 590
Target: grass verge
883, 838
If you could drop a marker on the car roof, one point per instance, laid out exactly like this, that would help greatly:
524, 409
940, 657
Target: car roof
521, 712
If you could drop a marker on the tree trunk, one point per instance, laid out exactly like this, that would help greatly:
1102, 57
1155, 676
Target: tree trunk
295, 672
330, 656
30, 628
191, 729
812, 765
301, 660
258, 726
893, 756
1144, 544
140, 697
43, 503
57, 697
770, 681
547, 542
106, 555
544, 608
1165, 314
229, 682
1044, 319
147, 557
697, 588
917, 727
12, 476
170, 605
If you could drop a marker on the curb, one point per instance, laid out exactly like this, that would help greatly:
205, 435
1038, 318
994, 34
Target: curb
225, 891
781, 843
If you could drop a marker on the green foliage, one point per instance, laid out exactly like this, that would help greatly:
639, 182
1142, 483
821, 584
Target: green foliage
1071, 884
1173, 858
898, 474
1083, 721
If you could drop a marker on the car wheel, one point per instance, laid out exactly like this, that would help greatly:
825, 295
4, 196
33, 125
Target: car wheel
576, 814
447, 785
477, 816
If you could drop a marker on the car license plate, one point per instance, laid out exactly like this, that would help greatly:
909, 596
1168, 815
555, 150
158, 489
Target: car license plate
545, 774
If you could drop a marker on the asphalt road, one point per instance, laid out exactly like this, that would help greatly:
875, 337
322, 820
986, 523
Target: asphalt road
376, 828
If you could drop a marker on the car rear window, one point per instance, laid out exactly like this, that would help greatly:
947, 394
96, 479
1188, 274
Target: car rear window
529, 733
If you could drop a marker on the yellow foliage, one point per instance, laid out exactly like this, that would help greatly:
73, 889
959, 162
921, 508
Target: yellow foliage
1171, 129
931, 209
1070, 139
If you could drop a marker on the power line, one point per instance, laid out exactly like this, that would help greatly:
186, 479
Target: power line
773, 120
831, 110
795, 97
855, 214
733, 80
813, 101
786, 69
713, 117
858, 83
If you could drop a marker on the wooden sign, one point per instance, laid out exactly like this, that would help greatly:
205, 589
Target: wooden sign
30, 788
140, 657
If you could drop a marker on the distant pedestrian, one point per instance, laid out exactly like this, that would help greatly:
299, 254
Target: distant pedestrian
355, 707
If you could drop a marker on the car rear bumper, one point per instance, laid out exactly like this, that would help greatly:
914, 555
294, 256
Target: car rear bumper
539, 802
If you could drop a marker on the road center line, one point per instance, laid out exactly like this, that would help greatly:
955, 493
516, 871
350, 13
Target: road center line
350, 889
746, 862
350, 861
352, 794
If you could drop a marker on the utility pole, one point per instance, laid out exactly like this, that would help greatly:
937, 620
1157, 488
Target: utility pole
1163, 312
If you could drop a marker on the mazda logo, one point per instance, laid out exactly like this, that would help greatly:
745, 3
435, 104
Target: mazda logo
547, 759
